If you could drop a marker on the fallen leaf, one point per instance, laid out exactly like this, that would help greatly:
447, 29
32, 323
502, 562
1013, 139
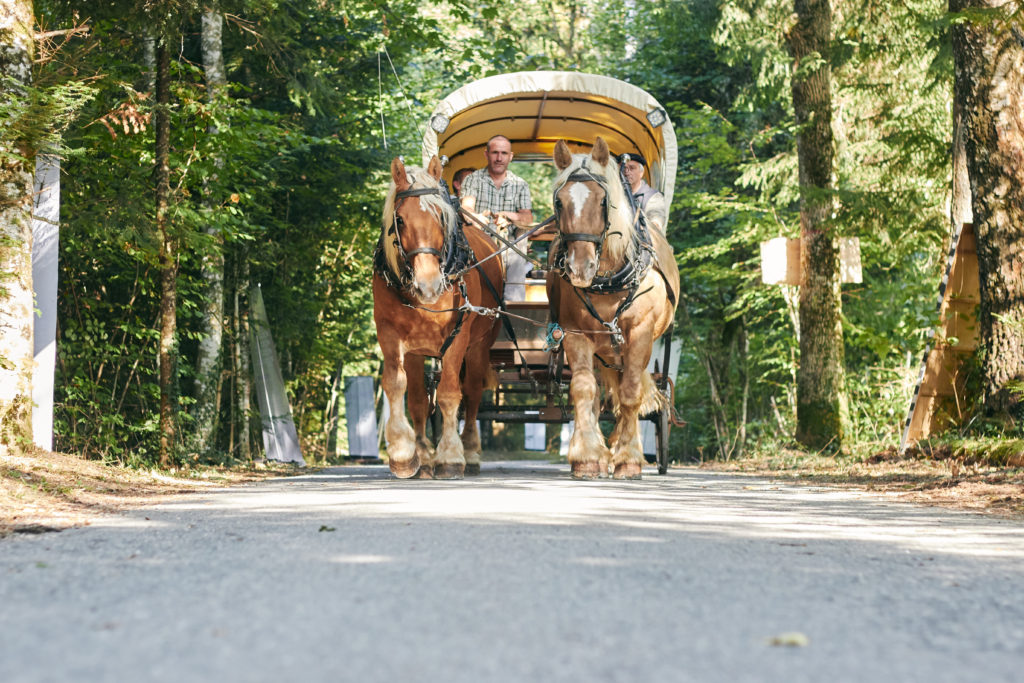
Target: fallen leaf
790, 639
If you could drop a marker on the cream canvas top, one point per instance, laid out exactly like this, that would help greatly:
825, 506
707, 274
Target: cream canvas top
535, 109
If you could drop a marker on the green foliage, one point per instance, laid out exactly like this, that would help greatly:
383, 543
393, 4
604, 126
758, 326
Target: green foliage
286, 173
723, 72
288, 184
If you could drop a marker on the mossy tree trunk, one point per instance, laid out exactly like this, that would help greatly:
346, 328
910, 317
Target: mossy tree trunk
168, 259
209, 357
988, 49
16, 174
821, 403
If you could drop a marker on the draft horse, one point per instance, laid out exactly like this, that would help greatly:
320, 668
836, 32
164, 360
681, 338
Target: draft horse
419, 293
613, 287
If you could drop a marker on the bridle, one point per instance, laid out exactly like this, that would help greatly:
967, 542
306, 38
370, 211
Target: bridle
627, 280
451, 257
405, 265
581, 175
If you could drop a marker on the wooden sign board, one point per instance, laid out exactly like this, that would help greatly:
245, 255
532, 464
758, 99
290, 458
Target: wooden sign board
780, 261
938, 398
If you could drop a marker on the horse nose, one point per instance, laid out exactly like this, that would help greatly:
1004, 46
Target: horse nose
581, 270
429, 289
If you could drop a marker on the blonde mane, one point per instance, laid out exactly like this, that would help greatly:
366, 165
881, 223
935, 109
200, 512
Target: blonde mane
619, 245
434, 204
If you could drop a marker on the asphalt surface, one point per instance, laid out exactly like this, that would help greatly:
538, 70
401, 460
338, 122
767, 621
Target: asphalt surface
520, 574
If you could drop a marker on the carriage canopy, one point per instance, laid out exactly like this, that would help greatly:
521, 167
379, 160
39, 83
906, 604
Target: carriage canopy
535, 109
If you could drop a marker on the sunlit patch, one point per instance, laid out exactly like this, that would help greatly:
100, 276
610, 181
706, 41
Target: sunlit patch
641, 539
362, 559
579, 193
601, 562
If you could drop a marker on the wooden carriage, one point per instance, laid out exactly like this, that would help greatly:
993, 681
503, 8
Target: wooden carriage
534, 110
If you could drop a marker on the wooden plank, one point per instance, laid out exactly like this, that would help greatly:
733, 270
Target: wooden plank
935, 403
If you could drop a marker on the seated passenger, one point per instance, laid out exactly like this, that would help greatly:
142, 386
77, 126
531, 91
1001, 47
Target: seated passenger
647, 198
457, 179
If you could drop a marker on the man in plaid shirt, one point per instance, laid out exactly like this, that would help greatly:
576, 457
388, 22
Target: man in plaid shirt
496, 195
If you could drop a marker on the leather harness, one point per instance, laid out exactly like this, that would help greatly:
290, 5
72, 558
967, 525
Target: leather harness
632, 272
456, 257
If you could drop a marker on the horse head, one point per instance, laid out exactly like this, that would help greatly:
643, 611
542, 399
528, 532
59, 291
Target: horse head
593, 213
420, 220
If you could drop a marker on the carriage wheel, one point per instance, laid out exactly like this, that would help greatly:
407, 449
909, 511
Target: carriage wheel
662, 429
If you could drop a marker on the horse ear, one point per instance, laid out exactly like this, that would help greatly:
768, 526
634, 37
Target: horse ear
600, 152
398, 173
563, 157
434, 167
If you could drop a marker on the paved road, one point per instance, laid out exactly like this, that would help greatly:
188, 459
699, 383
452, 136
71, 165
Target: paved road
518, 575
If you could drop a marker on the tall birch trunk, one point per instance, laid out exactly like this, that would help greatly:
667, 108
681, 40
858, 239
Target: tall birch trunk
989, 82
168, 258
16, 175
208, 360
821, 401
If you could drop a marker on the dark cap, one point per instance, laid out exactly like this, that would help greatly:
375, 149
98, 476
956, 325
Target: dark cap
632, 156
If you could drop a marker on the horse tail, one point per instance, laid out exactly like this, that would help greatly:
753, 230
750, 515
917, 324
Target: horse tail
491, 379
652, 401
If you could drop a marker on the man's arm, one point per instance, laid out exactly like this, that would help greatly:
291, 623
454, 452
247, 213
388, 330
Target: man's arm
469, 206
657, 211
523, 215
522, 218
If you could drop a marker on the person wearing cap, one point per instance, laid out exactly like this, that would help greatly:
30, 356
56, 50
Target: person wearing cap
496, 195
647, 198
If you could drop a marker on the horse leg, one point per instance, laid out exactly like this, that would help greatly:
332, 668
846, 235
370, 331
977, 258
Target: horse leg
478, 366
587, 450
402, 457
610, 381
419, 408
449, 461
628, 454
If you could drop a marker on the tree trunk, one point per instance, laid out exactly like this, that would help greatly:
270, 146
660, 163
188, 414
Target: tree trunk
208, 360
821, 401
16, 175
243, 396
989, 84
960, 192
168, 258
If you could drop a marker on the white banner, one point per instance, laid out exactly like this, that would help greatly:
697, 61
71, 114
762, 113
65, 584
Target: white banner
45, 252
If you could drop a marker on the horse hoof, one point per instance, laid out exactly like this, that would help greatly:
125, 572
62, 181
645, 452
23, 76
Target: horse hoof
586, 470
405, 470
448, 471
627, 470
426, 472
472, 469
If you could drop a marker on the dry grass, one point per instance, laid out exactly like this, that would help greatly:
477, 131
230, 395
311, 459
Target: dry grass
956, 482
52, 491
